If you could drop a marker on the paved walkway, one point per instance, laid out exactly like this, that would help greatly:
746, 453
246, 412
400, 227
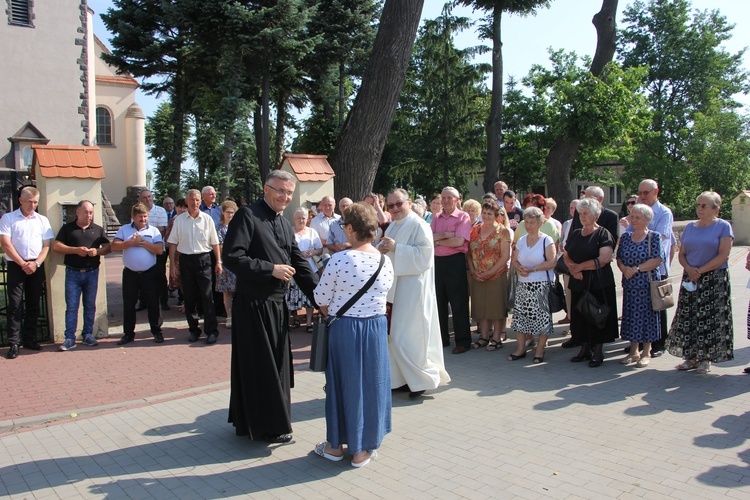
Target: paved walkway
500, 429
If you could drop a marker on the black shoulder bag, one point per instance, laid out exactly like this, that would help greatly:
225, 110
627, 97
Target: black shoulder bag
319, 349
589, 306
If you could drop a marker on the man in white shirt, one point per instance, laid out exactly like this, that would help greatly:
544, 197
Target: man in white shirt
25, 238
336, 240
322, 222
194, 237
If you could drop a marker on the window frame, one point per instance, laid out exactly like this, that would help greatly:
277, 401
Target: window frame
13, 10
110, 115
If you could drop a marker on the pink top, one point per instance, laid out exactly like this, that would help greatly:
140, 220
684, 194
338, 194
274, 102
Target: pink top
459, 223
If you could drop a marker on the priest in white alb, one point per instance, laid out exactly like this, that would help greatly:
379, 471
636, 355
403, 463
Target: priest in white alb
415, 347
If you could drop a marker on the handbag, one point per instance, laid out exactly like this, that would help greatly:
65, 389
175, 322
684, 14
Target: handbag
319, 348
662, 294
589, 306
561, 267
556, 294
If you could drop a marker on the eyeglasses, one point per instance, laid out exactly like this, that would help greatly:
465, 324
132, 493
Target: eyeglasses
704, 206
288, 194
398, 204
342, 224
643, 193
631, 203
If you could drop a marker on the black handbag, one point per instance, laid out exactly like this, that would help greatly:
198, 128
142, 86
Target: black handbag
589, 306
561, 267
319, 349
556, 295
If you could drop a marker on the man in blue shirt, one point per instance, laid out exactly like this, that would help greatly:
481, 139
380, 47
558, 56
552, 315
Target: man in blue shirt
139, 243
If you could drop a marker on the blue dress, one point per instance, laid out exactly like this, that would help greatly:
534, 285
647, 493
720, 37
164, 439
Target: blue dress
640, 323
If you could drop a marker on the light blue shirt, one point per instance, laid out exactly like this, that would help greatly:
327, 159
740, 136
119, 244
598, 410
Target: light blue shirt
138, 258
336, 234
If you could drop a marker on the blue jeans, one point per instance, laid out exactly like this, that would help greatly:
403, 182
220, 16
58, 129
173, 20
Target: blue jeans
77, 283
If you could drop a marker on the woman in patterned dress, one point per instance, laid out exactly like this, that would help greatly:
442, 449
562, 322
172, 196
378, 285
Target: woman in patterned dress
702, 329
533, 260
226, 281
487, 259
639, 254
310, 245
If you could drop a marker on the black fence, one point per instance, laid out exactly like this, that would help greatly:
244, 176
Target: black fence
42, 329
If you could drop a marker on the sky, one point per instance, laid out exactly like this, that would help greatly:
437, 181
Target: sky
565, 25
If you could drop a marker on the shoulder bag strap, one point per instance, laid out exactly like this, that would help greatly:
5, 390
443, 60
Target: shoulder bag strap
343, 309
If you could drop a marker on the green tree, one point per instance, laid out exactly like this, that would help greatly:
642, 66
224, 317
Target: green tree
437, 139
493, 31
160, 146
690, 84
150, 41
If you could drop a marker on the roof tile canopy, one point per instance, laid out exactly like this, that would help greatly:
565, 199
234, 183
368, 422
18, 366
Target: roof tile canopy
78, 162
309, 168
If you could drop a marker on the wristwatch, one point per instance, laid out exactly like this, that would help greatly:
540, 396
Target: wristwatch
437, 243
38, 265
638, 268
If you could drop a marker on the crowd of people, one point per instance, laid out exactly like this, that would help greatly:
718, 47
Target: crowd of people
396, 280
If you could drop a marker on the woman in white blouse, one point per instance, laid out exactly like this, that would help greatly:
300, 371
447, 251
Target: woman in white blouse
358, 385
310, 245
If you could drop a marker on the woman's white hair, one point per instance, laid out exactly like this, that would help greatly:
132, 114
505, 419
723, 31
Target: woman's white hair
644, 210
591, 205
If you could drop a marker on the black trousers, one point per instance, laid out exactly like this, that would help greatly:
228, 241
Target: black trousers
452, 287
196, 277
20, 283
161, 279
145, 284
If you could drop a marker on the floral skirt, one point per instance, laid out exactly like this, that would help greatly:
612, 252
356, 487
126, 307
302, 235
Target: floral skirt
295, 299
702, 327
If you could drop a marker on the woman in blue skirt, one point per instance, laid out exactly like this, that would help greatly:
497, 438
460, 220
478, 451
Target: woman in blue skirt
358, 374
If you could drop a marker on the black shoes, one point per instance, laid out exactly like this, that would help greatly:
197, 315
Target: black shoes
277, 438
140, 306
655, 353
126, 339
582, 356
32, 345
415, 394
158, 338
194, 337
12, 352
595, 362
403, 388
212, 339
570, 343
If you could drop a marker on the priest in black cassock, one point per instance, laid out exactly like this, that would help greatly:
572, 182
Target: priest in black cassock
261, 251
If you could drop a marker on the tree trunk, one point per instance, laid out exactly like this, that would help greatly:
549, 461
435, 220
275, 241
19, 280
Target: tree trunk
563, 152
178, 132
278, 149
226, 162
261, 127
494, 123
365, 131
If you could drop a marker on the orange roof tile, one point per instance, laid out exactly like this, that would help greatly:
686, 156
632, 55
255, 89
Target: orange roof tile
79, 162
128, 81
309, 168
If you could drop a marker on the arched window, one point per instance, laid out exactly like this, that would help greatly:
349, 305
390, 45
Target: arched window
103, 126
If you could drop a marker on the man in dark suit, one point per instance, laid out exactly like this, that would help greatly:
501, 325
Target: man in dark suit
168, 205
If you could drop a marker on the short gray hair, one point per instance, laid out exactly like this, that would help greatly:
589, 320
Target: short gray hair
403, 192
453, 191
595, 191
644, 210
301, 210
192, 191
533, 213
711, 195
280, 174
591, 205
206, 189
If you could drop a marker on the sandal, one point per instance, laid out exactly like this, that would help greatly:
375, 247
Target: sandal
516, 357
309, 329
494, 345
503, 336
688, 365
630, 359
480, 343
643, 362
703, 368
320, 450
538, 359
746, 370
294, 323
